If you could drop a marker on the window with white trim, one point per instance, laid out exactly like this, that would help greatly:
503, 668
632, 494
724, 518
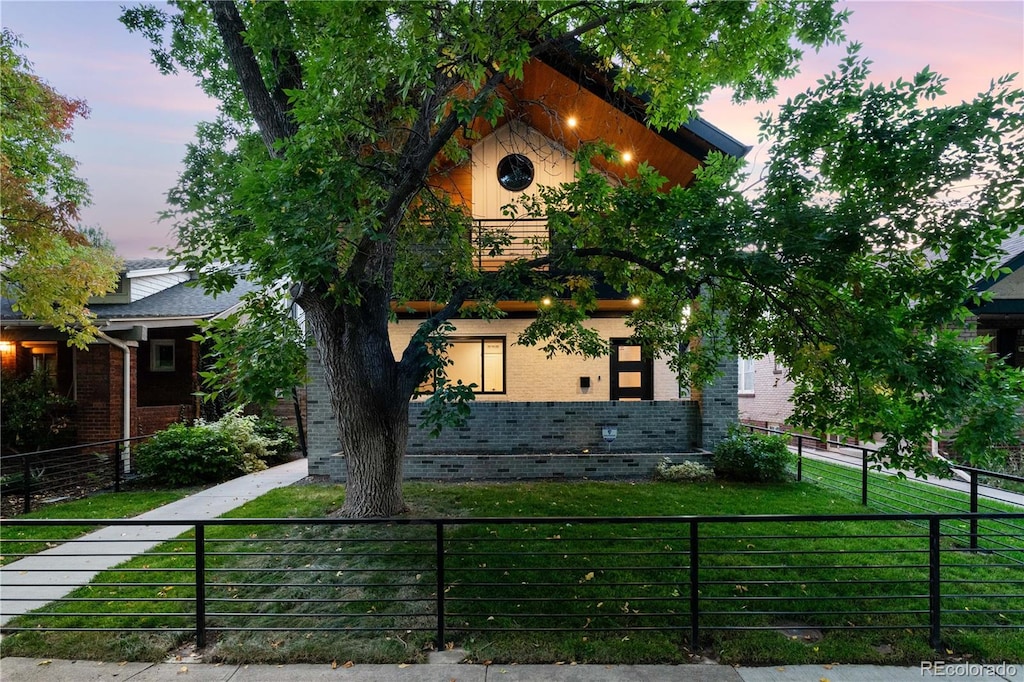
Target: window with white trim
161, 355
746, 367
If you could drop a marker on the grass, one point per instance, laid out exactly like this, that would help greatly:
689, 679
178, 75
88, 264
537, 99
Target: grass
19, 540
366, 593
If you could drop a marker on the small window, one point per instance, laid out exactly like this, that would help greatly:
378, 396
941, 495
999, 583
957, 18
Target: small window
161, 355
746, 375
515, 172
44, 360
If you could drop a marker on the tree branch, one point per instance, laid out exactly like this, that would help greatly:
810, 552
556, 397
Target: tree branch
270, 114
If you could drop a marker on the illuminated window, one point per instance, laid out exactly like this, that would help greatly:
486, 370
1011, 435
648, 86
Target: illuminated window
477, 362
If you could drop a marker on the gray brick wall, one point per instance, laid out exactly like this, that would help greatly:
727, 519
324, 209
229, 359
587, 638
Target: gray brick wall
595, 466
720, 404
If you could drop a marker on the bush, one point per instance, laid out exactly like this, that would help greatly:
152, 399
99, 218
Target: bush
32, 415
285, 439
241, 430
186, 455
750, 457
686, 471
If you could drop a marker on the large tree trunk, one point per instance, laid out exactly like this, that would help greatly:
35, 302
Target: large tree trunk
371, 404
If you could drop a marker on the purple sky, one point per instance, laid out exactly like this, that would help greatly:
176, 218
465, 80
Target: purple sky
130, 149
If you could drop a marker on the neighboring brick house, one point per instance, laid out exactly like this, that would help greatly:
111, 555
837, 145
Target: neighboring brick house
765, 397
149, 320
525, 401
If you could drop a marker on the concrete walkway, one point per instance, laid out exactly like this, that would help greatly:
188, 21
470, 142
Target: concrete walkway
34, 581
45, 670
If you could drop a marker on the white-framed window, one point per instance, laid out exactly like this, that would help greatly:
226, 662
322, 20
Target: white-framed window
746, 375
477, 362
161, 355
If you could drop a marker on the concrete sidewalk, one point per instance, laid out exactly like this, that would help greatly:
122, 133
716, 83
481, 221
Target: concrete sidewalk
35, 581
46, 670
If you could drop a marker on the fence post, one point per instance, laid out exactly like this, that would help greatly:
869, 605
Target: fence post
694, 587
799, 458
117, 467
440, 585
864, 477
934, 584
26, 483
200, 586
974, 509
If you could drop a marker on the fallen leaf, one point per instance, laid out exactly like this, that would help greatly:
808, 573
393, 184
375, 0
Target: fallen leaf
334, 665
348, 664
183, 669
47, 662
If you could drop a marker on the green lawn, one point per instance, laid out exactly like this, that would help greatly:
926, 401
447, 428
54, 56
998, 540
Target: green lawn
369, 591
23, 540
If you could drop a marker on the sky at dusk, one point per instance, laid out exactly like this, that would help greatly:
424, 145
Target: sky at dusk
130, 148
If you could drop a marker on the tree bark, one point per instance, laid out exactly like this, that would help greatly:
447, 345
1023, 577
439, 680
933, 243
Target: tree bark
368, 399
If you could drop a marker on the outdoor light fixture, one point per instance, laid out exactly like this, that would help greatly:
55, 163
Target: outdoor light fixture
571, 121
6, 347
545, 301
627, 157
635, 301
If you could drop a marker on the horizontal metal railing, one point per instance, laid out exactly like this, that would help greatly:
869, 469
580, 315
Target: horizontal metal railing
464, 576
62, 473
853, 470
499, 240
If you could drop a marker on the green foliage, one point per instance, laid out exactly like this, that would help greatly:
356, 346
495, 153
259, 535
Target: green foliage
49, 269
281, 440
682, 472
242, 431
32, 415
848, 258
254, 353
751, 457
183, 455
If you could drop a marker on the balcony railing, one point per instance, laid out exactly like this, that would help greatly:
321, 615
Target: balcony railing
499, 240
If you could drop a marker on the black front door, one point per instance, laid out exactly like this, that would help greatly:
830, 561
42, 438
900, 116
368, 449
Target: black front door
632, 372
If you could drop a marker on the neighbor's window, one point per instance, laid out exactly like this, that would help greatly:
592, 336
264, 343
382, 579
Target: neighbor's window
746, 375
161, 355
479, 361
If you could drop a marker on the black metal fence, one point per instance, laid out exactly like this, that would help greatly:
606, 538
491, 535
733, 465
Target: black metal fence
65, 473
445, 578
853, 470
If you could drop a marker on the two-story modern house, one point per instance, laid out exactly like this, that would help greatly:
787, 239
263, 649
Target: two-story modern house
525, 402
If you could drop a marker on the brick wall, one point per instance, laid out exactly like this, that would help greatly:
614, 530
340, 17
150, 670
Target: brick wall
770, 401
543, 428
152, 419
719, 405
595, 466
99, 392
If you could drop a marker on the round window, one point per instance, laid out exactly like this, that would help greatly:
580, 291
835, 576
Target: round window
515, 172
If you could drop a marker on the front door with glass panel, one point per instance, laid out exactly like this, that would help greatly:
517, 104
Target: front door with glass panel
632, 372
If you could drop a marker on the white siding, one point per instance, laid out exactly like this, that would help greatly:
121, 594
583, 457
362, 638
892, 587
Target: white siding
552, 165
532, 376
141, 287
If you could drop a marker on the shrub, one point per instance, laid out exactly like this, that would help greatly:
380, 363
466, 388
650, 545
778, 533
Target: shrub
32, 415
241, 430
745, 456
186, 455
285, 439
686, 471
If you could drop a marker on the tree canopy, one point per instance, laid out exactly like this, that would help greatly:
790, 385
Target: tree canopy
50, 268
334, 116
